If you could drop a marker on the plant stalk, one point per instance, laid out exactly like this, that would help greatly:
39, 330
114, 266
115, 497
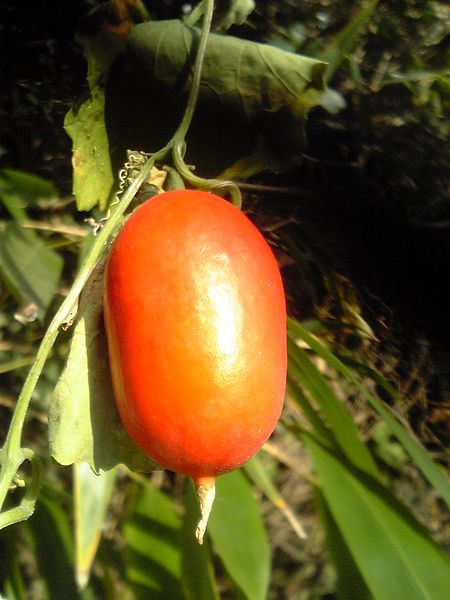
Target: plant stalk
12, 455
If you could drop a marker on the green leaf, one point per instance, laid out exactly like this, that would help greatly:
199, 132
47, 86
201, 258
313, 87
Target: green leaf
152, 536
238, 535
84, 425
31, 188
258, 474
92, 494
343, 430
253, 102
310, 412
13, 585
226, 13
30, 269
197, 574
349, 583
438, 479
53, 549
344, 41
93, 179
393, 552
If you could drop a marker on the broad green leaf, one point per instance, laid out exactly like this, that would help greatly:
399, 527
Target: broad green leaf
197, 573
84, 425
342, 429
393, 552
53, 548
349, 582
93, 179
92, 494
31, 188
436, 476
258, 474
344, 41
239, 536
253, 102
30, 269
13, 202
152, 536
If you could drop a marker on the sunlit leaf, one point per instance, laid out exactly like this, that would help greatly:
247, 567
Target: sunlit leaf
239, 537
92, 174
152, 535
84, 425
435, 475
92, 494
393, 552
342, 429
258, 474
29, 268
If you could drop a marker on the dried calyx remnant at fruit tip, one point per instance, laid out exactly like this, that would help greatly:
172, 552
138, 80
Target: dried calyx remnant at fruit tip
195, 318
206, 492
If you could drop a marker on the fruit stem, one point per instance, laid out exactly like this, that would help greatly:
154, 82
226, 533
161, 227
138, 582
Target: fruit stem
206, 491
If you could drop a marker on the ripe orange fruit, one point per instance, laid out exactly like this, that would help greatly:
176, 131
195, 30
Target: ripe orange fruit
195, 318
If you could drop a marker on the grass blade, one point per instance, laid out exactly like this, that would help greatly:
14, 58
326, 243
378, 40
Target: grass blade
438, 479
394, 553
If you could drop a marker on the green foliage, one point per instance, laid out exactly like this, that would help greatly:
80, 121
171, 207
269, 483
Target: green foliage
93, 179
235, 133
28, 266
393, 553
235, 518
134, 534
152, 535
84, 425
340, 46
92, 495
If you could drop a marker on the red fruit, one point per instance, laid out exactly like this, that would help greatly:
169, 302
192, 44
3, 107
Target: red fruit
196, 325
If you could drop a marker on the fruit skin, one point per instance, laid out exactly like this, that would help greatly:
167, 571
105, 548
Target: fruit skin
195, 319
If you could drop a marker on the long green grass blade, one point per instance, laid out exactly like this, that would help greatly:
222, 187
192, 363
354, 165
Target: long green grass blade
394, 553
53, 548
344, 41
92, 494
152, 536
239, 536
349, 582
261, 478
343, 431
438, 479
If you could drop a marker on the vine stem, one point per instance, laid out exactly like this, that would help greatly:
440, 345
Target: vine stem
12, 455
177, 143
